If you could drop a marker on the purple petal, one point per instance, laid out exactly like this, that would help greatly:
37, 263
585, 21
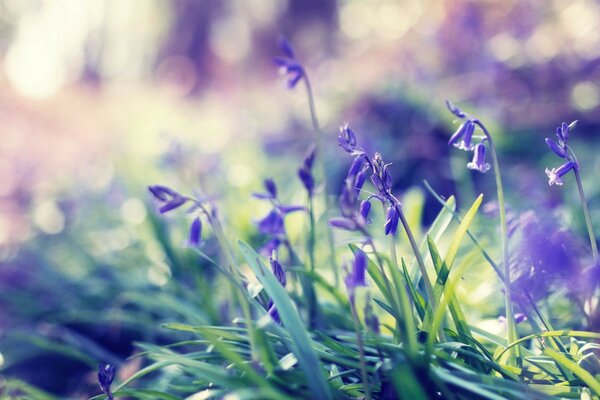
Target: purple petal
286, 209
343, 223
162, 193
559, 151
173, 204
195, 232
286, 47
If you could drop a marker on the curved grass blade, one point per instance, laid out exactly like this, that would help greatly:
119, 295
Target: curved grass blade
302, 345
581, 373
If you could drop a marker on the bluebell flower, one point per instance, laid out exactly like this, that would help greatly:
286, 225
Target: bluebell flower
344, 223
392, 218
272, 223
271, 245
559, 150
478, 163
288, 64
195, 232
305, 172
106, 375
347, 139
555, 174
287, 209
168, 198
454, 109
278, 271
357, 277
271, 190
365, 208
273, 312
463, 136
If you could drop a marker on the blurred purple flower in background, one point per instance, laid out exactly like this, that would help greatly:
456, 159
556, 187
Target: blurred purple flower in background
357, 277
288, 64
168, 198
546, 257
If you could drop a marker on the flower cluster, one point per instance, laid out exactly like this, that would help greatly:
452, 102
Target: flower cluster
561, 149
170, 200
355, 216
288, 64
273, 225
463, 137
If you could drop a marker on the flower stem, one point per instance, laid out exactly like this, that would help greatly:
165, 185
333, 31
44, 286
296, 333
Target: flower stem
361, 351
409, 326
510, 317
420, 261
318, 140
586, 214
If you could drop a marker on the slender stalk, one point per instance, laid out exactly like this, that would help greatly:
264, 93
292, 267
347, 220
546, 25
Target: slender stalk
510, 317
388, 287
586, 214
318, 140
313, 317
410, 334
361, 351
420, 261
235, 272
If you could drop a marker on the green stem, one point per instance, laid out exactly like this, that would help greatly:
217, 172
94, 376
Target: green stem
235, 272
409, 328
586, 214
510, 317
317, 133
420, 261
361, 351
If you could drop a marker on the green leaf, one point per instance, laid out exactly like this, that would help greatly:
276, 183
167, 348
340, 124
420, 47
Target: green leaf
302, 346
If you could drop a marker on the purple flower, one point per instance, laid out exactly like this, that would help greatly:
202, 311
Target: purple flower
454, 110
305, 172
106, 375
347, 138
463, 135
162, 193
555, 174
271, 190
343, 223
168, 198
272, 245
272, 223
287, 209
288, 64
365, 208
356, 277
391, 223
273, 312
278, 271
195, 233
562, 132
560, 151
478, 163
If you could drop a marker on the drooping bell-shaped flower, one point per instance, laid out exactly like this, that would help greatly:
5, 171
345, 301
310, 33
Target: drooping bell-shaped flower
478, 163
555, 174
463, 135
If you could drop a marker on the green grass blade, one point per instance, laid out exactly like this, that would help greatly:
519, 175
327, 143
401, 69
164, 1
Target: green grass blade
290, 318
581, 373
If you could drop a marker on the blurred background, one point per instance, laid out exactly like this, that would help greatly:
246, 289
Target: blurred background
99, 99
